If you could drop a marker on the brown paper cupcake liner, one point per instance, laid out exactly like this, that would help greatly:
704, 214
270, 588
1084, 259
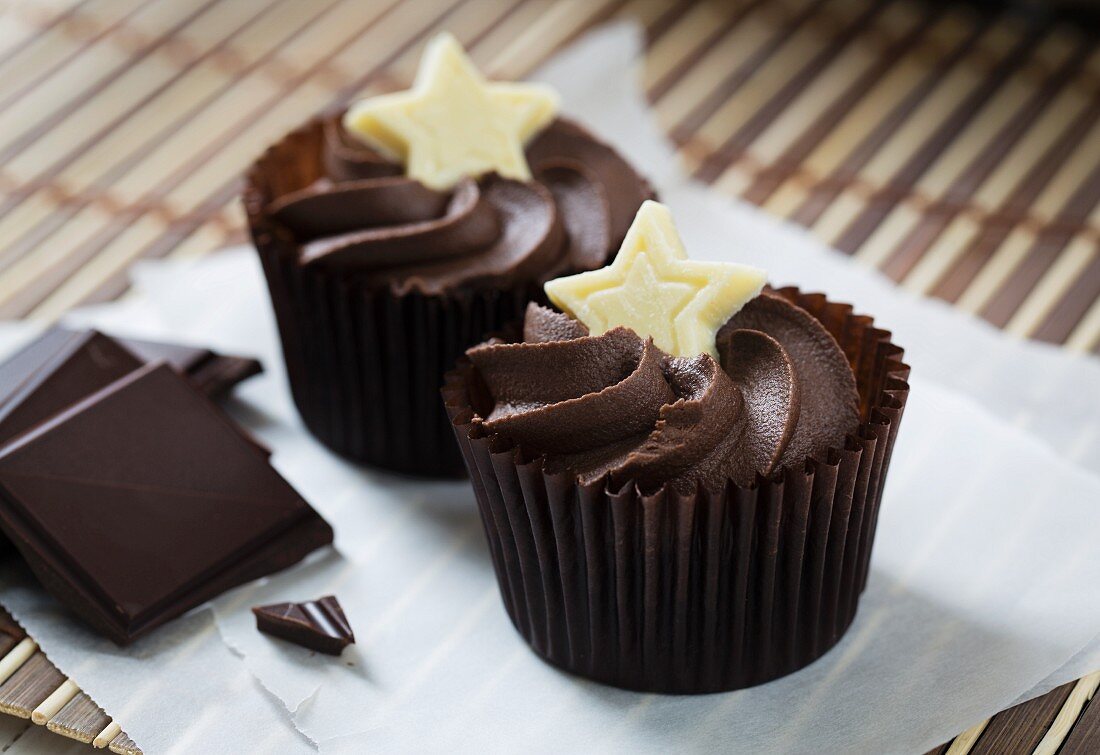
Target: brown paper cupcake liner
365, 364
697, 593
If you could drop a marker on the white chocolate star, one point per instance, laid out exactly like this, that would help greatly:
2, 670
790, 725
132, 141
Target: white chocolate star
454, 124
655, 290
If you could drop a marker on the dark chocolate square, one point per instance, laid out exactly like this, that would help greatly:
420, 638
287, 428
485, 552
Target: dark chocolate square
143, 500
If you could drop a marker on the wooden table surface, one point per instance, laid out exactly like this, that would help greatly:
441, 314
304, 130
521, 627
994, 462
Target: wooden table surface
956, 151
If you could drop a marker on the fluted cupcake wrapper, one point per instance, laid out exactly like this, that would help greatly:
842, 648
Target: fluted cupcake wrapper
690, 593
365, 365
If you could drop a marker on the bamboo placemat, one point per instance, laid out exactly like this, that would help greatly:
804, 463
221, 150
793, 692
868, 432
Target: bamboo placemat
955, 151
32, 688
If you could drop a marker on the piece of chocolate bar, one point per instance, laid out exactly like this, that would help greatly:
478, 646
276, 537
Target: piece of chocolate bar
210, 372
316, 624
64, 374
63, 367
143, 500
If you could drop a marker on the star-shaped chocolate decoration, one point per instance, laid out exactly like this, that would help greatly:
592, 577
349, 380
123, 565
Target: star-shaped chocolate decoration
454, 124
656, 291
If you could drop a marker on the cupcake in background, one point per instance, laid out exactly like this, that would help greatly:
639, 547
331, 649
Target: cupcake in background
679, 470
399, 233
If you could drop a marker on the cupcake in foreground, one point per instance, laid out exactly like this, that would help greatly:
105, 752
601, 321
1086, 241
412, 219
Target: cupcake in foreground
679, 472
397, 235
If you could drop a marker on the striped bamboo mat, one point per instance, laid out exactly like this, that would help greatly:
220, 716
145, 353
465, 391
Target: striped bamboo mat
33, 689
957, 152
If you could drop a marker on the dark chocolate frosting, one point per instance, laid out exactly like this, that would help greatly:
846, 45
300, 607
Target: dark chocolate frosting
615, 405
349, 208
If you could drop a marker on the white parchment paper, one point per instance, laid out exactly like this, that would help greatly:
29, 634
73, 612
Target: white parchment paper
984, 589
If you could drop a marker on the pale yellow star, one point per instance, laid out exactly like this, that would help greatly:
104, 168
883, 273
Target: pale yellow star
453, 123
655, 290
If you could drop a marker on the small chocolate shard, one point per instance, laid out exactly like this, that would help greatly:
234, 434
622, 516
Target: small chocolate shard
316, 624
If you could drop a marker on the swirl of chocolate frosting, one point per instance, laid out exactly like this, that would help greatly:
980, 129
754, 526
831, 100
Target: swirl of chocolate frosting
349, 208
615, 405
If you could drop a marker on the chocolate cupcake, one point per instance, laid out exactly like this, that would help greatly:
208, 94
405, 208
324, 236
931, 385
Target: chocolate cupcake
680, 475
398, 234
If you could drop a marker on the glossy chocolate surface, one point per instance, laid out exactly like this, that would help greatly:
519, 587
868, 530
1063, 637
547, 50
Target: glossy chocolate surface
143, 500
316, 624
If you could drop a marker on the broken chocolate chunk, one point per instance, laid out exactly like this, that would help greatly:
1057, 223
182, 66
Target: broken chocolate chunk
143, 500
316, 624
